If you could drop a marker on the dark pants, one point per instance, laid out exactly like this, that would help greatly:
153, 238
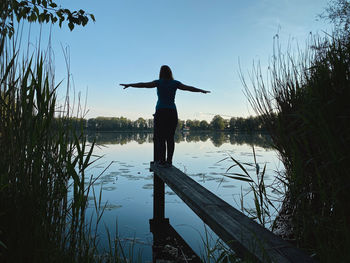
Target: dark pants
165, 122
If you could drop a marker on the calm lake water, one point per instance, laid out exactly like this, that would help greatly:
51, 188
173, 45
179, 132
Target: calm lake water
127, 185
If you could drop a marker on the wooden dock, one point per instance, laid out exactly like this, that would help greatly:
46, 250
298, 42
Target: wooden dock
242, 234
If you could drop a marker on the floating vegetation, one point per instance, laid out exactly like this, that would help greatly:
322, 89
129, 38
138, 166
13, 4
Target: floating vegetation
91, 198
127, 165
114, 173
109, 188
229, 186
110, 207
148, 186
222, 180
107, 179
99, 167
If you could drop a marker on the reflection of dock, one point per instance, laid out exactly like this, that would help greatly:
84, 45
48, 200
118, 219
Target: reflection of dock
168, 245
242, 234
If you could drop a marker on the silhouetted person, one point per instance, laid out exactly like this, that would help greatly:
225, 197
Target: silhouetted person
165, 118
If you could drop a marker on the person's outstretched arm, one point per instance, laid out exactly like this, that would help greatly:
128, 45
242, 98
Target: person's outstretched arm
193, 89
152, 84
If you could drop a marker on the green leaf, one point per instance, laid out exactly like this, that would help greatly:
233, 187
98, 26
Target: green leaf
36, 10
243, 175
257, 206
71, 26
228, 169
3, 245
254, 154
240, 178
240, 166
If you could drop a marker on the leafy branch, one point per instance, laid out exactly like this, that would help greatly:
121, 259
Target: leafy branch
42, 11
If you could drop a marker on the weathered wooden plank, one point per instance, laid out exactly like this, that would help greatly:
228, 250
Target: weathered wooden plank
240, 232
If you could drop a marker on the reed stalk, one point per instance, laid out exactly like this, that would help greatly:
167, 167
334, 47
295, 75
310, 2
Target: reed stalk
44, 156
305, 105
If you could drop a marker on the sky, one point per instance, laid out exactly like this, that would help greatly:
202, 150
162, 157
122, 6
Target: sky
206, 43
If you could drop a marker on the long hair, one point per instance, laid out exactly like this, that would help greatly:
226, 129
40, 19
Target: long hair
165, 73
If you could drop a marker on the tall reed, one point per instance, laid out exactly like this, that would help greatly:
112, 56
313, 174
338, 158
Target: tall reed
42, 158
305, 105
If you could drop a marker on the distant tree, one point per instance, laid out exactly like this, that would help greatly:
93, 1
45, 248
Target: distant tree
226, 124
180, 124
91, 124
217, 123
150, 123
189, 124
140, 124
204, 125
195, 125
232, 123
239, 124
42, 11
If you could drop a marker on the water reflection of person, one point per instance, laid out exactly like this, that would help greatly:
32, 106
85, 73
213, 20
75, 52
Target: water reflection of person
165, 118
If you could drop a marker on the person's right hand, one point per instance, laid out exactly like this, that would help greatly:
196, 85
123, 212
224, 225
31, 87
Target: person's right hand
125, 85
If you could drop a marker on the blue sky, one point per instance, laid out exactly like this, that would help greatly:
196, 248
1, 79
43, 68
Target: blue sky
205, 43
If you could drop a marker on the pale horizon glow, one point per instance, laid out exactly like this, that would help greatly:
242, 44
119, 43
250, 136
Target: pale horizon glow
206, 44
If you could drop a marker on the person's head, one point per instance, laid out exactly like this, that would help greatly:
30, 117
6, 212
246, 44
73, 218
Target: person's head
165, 73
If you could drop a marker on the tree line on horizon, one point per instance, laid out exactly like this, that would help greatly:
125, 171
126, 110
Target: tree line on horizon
218, 123
216, 138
